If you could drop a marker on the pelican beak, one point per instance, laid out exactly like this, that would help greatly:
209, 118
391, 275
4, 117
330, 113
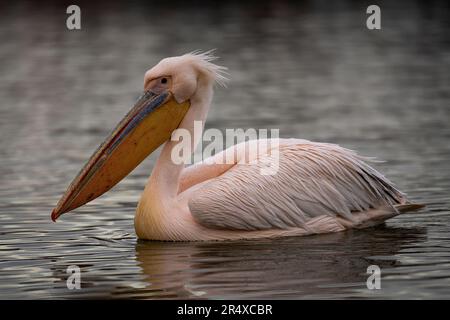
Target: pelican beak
146, 126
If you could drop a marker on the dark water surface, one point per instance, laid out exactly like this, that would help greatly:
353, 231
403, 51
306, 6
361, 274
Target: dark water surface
311, 69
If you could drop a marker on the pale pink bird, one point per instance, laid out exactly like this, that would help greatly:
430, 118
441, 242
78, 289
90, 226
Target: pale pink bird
318, 187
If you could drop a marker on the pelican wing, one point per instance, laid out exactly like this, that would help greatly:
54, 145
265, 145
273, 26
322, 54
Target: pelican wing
312, 179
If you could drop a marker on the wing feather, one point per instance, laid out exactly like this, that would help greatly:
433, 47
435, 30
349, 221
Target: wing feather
313, 179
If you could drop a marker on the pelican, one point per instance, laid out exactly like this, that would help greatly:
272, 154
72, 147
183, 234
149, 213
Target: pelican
318, 187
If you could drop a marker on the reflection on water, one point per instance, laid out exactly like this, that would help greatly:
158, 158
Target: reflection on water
311, 70
271, 269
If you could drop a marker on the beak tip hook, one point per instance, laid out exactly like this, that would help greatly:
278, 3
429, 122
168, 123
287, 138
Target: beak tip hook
54, 216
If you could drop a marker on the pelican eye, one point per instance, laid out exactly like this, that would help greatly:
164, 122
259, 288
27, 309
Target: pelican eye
164, 80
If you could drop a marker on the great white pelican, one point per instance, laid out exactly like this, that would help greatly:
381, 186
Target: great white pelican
318, 188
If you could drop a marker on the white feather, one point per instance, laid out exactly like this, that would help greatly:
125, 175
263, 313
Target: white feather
313, 179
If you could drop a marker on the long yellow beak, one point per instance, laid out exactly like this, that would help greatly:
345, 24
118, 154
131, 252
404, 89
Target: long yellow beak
146, 126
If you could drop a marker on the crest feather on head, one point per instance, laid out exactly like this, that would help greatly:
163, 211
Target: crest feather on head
203, 60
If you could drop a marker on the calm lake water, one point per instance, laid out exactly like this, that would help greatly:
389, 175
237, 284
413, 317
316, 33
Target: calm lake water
311, 69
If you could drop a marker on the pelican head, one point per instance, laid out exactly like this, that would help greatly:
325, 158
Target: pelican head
169, 89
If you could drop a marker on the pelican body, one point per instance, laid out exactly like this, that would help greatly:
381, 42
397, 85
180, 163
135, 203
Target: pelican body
318, 187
